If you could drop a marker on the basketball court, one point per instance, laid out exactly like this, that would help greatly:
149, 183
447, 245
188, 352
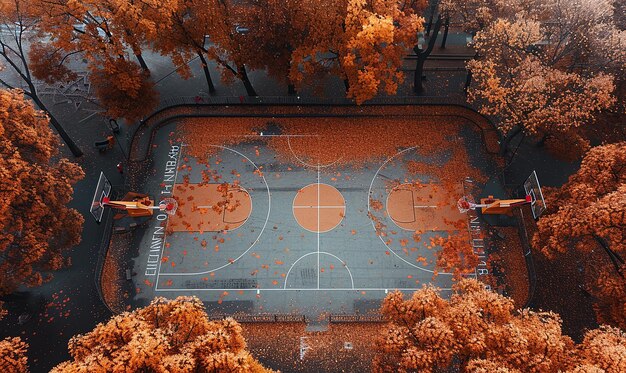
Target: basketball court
258, 231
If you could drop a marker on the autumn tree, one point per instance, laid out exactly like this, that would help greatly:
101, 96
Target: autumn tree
421, 53
378, 36
166, 336
227, 40
427, 333
543, 70
138, 22
36, 226
105, 28
278, 28
124, 90
476, 15
13, 355
362, 42
589, 213
477, 330
222, 22
20, 21
602, 350
102, 33
546, 103
184, 38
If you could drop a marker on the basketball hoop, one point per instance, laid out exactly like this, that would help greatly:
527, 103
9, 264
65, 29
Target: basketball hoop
491, 205
168, 205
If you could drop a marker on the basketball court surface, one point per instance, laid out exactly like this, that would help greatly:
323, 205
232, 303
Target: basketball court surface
260, 232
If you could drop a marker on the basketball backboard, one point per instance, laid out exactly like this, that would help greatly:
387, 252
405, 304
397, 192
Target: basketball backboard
103, 189
533, 189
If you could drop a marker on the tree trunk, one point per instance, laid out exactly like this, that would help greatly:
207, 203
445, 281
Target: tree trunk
430, 20
468, 81
468, 77
291, 89
617, 260
418, 78
142, 63
57, 126
246, 82
422, 55
446, 28
207, 73
346, 84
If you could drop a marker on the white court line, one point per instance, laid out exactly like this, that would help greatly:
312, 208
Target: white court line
318, 228
369, 209
293, 205
269, 208
424, 206
319, 207
264, 135
318, 252
303, 289
306, 164
156, 285
240, 225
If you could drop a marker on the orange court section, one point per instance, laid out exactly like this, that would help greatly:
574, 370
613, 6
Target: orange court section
209, 207
425, 207
319, 207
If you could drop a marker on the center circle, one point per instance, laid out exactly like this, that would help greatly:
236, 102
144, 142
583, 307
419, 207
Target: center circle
319, 207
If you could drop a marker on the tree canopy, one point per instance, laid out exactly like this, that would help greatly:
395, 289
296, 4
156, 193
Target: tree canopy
589, 213
477, 330
103, 32
13, 355
165, 336
36, 226
548, 69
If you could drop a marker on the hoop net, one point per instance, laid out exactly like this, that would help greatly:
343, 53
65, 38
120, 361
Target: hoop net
168, 205
465, 204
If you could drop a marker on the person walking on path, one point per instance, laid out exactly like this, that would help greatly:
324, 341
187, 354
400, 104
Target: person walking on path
120, 168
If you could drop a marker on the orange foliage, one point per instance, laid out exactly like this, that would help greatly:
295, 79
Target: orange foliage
456, 254
541, 99
182, 37
378, 35
477, 330
103, 28
48, 64
103, 31
136, 23
124, 90
474, 15
549, 67
36, 226
222, 131
13, 355
277, 27
166, 336
602, 350
362, 42
589, 213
